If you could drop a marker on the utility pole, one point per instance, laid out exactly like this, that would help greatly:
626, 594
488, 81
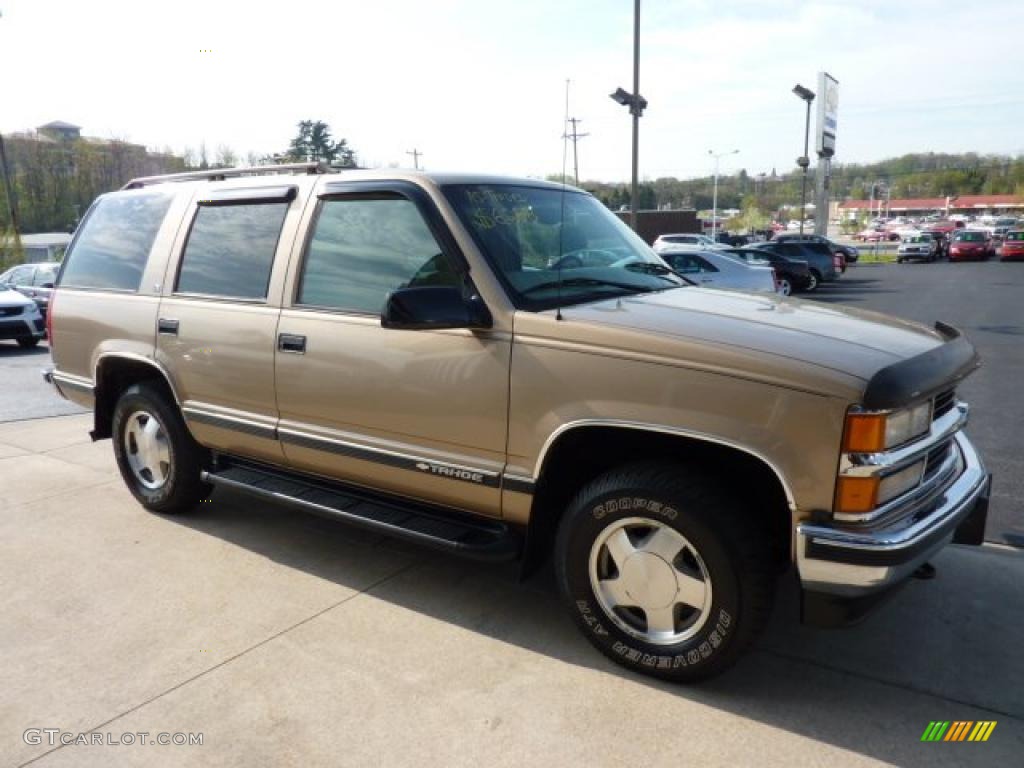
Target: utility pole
416, 154
12, 200
637, 110
575, 135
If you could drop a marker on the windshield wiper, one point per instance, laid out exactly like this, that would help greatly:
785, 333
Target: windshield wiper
583, 282
659, 270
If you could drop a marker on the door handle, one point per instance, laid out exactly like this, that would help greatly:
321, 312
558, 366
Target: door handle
290, 342
167, 326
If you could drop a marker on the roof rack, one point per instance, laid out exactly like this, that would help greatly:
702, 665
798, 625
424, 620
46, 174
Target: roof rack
219, 174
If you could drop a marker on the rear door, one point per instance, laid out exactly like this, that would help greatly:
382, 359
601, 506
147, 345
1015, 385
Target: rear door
418, 413
218, 317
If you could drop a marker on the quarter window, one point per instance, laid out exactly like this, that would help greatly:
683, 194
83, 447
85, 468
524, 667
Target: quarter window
111, 250
363, 248
230, 250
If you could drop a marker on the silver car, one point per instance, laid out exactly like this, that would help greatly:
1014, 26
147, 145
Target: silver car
917, 245
715, 269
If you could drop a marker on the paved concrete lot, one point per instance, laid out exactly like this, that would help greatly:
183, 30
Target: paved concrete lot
983, 300
289, 640
23, 393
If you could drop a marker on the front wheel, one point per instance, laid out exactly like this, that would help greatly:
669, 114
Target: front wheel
28, 342
813, 281
785, 286
159, 460
664, 573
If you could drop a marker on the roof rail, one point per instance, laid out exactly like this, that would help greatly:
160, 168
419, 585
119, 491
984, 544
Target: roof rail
219, 174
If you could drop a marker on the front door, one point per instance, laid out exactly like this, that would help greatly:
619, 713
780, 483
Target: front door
421, 414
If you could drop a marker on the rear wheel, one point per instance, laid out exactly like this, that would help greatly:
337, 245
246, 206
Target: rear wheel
159, 460
813, 281
663, 572
785, 286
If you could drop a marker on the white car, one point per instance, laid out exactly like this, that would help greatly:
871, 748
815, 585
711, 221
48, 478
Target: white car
687, 242
20, 319
720, 270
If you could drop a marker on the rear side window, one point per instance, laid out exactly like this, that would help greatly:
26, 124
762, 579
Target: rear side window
111, 250
230, 250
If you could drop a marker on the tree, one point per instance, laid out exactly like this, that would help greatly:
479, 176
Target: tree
225, 157
314, 143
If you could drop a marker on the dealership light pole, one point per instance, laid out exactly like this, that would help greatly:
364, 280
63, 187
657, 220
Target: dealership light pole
714, 195
636, 104
804, 161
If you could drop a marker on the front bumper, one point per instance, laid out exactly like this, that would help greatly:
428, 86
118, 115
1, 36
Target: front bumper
846, 569
22, 327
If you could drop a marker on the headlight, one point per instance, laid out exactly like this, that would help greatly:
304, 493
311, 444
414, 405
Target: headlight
874, 432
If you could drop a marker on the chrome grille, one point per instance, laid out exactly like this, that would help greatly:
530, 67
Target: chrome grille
935, 458
944, 402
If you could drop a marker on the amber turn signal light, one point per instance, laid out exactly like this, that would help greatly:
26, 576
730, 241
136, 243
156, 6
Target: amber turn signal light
865, 433
856, 495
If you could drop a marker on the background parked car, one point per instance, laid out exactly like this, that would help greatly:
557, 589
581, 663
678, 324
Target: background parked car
819, 258
850, 254
19, 318
970, 244
34, 280
686, 241
918, 246
1013, 246
717, 269
791, 275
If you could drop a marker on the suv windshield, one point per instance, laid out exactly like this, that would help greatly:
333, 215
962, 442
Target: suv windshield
970, 237
552, 247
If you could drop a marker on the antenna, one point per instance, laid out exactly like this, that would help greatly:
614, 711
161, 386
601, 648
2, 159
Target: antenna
561, 221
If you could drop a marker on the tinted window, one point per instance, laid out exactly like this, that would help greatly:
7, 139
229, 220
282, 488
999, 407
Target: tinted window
362, 249
230, 250
112, 248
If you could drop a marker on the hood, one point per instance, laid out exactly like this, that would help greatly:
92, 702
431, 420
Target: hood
11, 298
757, 336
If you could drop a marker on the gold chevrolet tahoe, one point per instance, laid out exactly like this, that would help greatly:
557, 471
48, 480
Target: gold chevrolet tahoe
499, 368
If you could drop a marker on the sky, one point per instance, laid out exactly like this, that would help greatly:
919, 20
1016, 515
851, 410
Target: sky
477, 85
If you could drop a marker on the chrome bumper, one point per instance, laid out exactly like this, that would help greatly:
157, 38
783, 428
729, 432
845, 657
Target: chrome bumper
854, 561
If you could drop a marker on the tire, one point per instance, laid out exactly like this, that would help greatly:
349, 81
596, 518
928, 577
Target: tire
785, 286
28, 343
165, 474
814, 281
615, 547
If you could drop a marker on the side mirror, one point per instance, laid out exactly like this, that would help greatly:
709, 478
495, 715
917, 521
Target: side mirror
46, 285
433, 308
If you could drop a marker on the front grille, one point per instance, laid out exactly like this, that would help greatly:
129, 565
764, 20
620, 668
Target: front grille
9, 311
934, 460
944, 402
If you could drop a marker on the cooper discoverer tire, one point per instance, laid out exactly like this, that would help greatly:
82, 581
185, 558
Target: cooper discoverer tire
158, 458
664, 572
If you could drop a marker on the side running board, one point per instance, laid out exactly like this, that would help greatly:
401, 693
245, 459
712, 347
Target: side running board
464, 535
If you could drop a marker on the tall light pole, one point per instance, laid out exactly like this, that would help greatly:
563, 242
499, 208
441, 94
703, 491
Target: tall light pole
636, 104
714, 195
804, 161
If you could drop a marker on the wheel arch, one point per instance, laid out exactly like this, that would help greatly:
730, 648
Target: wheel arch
114, 372
580, 451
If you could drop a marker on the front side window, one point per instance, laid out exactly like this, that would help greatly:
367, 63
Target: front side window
111, 250
45, 273
230, 250
363, 248
555, 247
689, 263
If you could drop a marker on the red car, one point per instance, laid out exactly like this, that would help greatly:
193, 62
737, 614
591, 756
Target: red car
970, 244
1013, 246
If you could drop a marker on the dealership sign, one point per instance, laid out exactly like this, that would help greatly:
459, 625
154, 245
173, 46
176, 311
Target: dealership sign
828, 106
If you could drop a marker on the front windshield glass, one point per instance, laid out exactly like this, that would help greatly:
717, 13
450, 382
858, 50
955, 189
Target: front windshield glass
971, 237
551, 247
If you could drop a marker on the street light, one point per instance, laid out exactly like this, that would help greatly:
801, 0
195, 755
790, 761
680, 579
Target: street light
714, 196
807, 95
637, 104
